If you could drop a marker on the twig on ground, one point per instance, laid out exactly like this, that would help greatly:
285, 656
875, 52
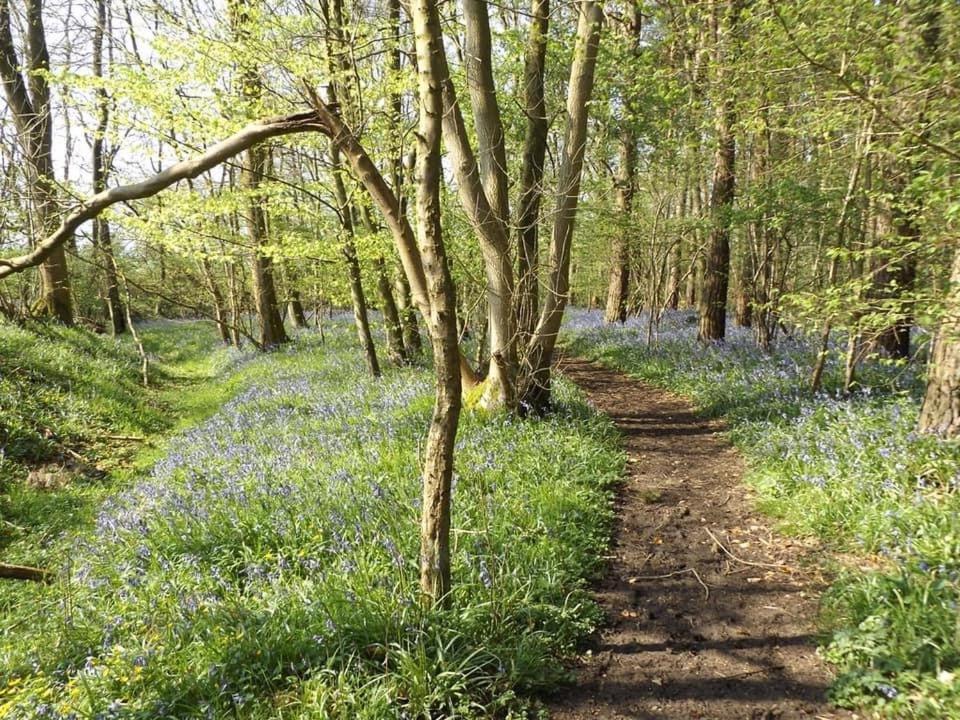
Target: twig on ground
775, 566
706, 588
761, 671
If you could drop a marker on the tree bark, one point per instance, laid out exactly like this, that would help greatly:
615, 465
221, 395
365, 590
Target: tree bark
391, 315
716, 276
265, 300
531, 179
435, 580
940, 411
539, 356
29, 102
617, 285
101, 228
491, 229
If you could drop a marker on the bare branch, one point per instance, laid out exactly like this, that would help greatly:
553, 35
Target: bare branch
246, 138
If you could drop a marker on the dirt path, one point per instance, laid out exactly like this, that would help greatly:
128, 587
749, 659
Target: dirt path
695, 631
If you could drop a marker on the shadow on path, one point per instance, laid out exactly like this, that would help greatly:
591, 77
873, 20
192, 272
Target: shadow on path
695, 630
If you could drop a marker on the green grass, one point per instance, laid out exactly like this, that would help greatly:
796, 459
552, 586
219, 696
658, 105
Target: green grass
848, 470
66, 395
266, 565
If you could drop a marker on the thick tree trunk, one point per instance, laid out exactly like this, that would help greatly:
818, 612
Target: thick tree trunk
265, 300
940, 412
435, 581
716, 271
272, 332
28, 97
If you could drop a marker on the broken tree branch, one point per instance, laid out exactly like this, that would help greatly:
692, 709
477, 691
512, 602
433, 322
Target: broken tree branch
257, 132
24, 572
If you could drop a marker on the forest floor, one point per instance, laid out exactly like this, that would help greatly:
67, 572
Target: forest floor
710, 613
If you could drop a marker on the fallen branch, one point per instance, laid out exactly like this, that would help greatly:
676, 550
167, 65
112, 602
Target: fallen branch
746, 562
24, 572
706, 588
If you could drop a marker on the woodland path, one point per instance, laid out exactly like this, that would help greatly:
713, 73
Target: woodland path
694, 631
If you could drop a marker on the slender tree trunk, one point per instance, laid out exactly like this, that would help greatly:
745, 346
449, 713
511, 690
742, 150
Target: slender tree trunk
101, 228
618, 283
861, 156
531, 182
435, 581
391, 315
358, 298
218, 310
536, 391
408, 315
743, 312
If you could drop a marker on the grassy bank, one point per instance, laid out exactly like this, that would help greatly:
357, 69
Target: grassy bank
266, 565
848, 470
75, 420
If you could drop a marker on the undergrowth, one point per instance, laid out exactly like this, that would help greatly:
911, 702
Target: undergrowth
266, 565
849, 470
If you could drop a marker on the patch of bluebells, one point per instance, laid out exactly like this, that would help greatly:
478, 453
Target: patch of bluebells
280, 537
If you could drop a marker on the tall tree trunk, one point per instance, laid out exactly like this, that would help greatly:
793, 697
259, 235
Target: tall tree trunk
28, 97
618, 283
716, 276
435, 581
531, 178
941, 404
489, 225
536, 391
272, 332
906, 209
218, 310
361, 316
101, 228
